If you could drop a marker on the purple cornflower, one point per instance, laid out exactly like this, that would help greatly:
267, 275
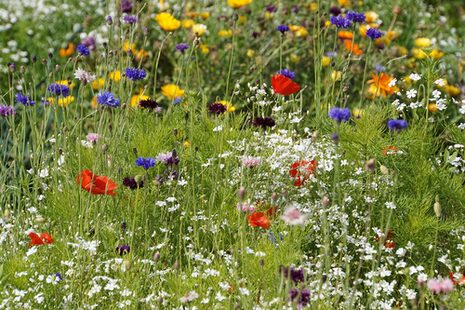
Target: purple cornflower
126, 6
169, 159
374, 33
6, 110
130, 19
108, 99
282, 28
182, 47
355, 17
294, 274
340, 21
397, 124
135, 74
109, 19
146, 163
56, 89
263, 122
217, 108
287, 73
379, 68
303, 296
24, 99
340, 115
83, 50
271, 8
89, 42
132, 183
123, 249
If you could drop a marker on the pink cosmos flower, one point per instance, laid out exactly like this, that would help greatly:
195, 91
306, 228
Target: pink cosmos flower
440, 286
293, 216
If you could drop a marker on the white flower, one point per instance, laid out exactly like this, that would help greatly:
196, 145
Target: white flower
411, 93
392, 83
244, 291
219, 297
440, 82
250, 162
415, 77
293, 216
390, 205
84, 76
218, 128
192, 295
436, 94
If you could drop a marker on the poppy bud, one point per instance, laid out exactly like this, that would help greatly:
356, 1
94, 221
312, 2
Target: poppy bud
384, 170
126, 265
6, 214
274, 197
437, 207
370, 165
176, 265
156, 256
39, 219
104, 148
241, 193
325, 201
396, 10
315, 135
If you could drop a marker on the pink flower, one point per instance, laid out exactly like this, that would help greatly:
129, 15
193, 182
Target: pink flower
293, 216
92, 137
251, 162
440, 286
245, 207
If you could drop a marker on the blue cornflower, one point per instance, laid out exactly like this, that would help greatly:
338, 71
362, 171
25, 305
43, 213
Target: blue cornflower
397, 124
374, 33
130, 19
379, 68
135, 74
340, 115
7, 110
108, 99
355, 17
83, 50
56, 89
340, 21
282, 28
287, 73
24, 99
182, 47
147, 163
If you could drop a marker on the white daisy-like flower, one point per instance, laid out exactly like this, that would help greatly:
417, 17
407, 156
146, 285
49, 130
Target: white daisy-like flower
84, 76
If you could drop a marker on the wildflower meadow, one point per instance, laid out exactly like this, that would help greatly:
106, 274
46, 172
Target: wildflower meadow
232, 154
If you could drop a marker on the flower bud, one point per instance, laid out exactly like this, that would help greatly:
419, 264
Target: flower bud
384, 170
437, 207
370, 165
241, 193
325, 201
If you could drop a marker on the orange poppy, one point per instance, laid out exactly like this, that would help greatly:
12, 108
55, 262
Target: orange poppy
345, 35
43, 238
97, 185
258, 219
352, 47
68, 51
380, 85
301, 171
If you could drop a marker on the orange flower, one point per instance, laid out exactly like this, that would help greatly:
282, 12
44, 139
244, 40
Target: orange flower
43, 238
380, 85
97, 185
301, 171
390, 150
352, 47
68, 51
345, 35
258, 219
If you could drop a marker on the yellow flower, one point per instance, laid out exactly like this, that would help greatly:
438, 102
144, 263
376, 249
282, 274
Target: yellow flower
115, 76
228, 105
204, 48
327, 23
294, 58
188, 23
336, 75
432, 107
423, 42
137, 98
171, 91
167, 21
345, 3
363, 30
268, 15
66, 83
419, 53
225, 33
452, 90
186, 144
128, 47
63, 102
357, 113
325, 61
371, 16
236, 4
401, 50
299, 31
98, 84
313, 6
93, 103
199, 29
242, 19
203, 15
250, 53
436, 54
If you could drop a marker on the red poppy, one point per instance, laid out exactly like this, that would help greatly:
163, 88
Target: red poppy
43, 238
258, 219
457, 278
390, 244
97, 185
271, 212
283, 85
301, 171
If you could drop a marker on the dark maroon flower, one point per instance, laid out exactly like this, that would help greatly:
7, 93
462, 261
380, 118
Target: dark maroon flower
132, 183
123, 249
334, 10
294, 274
217, 108
263, 122
148, 104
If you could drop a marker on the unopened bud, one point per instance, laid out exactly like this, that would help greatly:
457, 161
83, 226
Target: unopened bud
384, 170
315, 135
39, 219
437, 207
370, 165
156, 256
241, 193
325, 201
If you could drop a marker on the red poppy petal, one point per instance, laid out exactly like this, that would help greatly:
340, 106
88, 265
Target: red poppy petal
35, 239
